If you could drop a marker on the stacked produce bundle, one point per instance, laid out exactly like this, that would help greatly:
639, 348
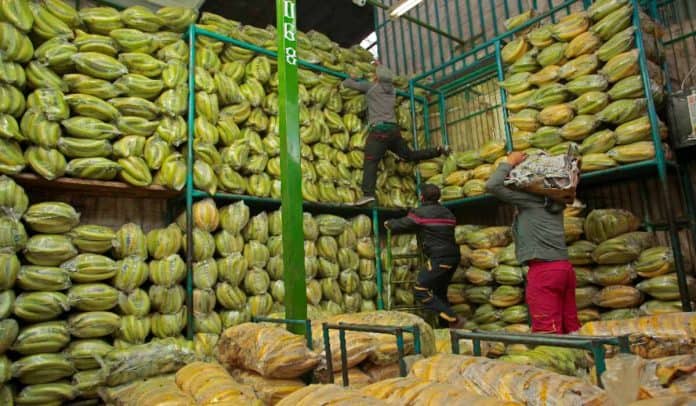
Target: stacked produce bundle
237, 139
578, 81
238, 267
507, 381
464, 173
105, 92
620, 270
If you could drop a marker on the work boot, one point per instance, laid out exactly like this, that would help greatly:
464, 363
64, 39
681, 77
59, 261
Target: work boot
444, 150
365, 200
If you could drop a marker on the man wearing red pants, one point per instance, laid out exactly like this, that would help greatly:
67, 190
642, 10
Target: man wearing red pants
540, 244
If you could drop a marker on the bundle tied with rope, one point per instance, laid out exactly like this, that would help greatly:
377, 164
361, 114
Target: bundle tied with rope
555, 177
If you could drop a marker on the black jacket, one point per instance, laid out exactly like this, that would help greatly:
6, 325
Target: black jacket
434, 224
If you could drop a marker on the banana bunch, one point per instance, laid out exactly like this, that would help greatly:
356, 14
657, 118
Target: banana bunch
40, 131
177, 18
46, 337
93, 168
167, 299
173, 101
49, 249
173, 172
131, 273
134, 330
18, 13
12, 101
14, 44
129, 146
134, 171
136, 125
63, 11
93, 324
164, 242
9, 329
86, 42
88, 383
135, 85
52, 217
79, 83
12, 74
90, 268
11, 160
156, 150
90, 106
174, 74
47, 26
142, 64
168, 325
93, 297
168, 271
42, 368
47, 162
49, 102
90, 128
204, 300
135, 303
132, 40
43, 278
230, 297
84, 148
99, 65
173, 130
101, 20
84, 353
130, 241
141, 18
135, 106
7, 301
40, 306
92, 238
207, 323
13, 200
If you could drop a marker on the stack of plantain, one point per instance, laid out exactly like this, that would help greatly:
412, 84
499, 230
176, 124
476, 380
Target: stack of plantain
578, 81
464, 173
238, 268
98, 94
237, 139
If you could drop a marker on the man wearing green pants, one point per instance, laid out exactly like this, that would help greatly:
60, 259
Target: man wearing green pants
384, 134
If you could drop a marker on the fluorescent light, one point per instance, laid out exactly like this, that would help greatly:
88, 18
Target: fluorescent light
403, 7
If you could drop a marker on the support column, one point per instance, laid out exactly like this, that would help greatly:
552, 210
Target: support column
291, 174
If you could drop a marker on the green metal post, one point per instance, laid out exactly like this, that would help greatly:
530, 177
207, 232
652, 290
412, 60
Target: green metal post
661, 162
189, 178
291, 176
442, 106
503, 97
378, 259
400, 351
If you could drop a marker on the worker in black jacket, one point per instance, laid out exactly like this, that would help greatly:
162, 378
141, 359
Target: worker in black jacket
434, 224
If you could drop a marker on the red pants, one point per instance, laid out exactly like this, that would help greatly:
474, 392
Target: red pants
551, 297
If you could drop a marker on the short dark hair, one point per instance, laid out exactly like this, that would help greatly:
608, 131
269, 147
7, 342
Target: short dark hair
430, 192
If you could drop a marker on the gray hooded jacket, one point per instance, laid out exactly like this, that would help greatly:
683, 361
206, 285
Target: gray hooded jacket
381, 96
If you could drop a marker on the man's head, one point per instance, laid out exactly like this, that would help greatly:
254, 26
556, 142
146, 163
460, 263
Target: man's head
430, 193
384, 75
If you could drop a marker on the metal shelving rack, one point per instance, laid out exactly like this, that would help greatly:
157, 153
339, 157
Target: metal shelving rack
295, 295
484, 62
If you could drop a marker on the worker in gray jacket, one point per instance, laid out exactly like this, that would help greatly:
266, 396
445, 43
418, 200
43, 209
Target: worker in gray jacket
384, 133
540, 244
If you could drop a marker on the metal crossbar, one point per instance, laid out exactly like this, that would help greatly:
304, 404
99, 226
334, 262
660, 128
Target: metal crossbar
306, 323
397, 331
594, 344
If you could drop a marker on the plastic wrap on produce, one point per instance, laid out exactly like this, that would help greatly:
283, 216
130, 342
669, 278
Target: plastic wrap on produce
271, 351
145, 360
210, 383
651, 336
269, 390
552, 176
415, 391
328, 395
151, 391
506, 381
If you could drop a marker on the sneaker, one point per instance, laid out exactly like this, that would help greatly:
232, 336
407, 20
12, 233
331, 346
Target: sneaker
364, 201
444, 150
